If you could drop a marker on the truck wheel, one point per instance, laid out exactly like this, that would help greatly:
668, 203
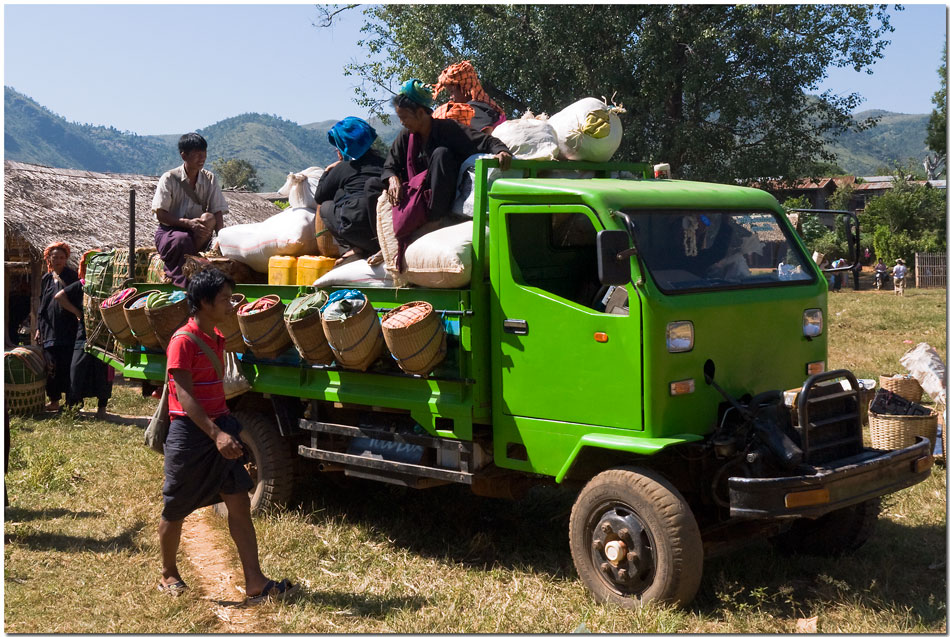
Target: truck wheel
635, 540
837, 533
270, 462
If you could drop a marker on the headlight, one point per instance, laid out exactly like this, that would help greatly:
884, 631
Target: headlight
679, 336
812, 323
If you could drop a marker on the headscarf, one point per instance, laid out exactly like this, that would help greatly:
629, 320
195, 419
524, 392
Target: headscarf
463, 74
56, 245
352, 136
455, 110
418, 92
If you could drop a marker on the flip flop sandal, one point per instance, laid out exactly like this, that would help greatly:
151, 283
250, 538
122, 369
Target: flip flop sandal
272, 590
174, 589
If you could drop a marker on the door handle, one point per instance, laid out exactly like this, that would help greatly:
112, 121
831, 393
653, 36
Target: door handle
516, 326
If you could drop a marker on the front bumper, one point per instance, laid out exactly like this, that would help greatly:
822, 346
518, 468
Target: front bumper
867, 475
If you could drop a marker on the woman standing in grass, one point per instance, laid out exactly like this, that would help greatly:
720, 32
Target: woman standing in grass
56, 327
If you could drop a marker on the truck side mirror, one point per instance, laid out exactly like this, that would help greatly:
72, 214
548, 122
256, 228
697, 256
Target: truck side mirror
613, 257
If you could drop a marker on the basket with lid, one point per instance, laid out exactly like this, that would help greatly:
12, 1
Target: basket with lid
262, 326
352, 329
904, 386
415, 337
230, 328
305, 327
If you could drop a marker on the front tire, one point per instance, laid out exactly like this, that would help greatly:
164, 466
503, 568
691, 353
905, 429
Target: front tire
634, 540
840, 532
270, 463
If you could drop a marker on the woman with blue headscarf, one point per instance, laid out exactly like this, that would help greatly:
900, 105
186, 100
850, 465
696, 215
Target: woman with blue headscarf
349, 188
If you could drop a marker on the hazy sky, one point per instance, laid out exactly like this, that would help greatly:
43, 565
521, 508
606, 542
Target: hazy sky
154, 69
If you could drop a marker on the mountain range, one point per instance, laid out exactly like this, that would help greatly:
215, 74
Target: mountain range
276, 146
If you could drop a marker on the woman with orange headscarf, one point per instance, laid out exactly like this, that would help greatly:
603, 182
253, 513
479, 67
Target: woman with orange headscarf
56, 327
469, 103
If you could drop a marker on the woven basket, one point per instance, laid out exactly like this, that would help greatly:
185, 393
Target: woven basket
265, 332
356, 341
120, 264
904, 387
309, 339
230, 328
116, 323
138, 323
25, 399
897, 432
156, 270
415, 337
326, 244
96, 332
166, 319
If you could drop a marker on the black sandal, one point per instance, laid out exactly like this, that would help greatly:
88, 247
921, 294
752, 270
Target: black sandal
272, 590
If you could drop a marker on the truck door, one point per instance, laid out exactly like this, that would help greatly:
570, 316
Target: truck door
557, 354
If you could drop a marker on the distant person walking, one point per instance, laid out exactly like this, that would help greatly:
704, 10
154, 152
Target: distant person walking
204, 455
56, 327
189, 206
899, 272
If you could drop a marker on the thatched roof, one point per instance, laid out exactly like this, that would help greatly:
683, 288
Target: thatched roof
91, 210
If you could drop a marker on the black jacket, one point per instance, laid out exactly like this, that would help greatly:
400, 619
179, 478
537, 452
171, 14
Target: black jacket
462, 141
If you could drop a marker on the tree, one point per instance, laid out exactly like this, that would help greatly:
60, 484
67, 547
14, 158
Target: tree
937, 126
237, 173
718, 91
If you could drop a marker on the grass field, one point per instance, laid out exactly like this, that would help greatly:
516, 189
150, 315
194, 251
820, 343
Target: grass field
82, 556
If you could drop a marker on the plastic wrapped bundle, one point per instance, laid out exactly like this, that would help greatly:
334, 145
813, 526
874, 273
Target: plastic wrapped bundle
305, 325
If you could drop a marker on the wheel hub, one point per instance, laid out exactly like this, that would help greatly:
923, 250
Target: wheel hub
622, 547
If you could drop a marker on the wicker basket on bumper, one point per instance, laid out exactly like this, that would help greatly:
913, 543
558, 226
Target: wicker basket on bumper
166, 319
138, 323
308, 335
903, 386
897, 432
230, 328
357, 341
264, 332
415, 336
114, 318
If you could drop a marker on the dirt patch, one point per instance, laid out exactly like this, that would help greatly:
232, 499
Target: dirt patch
218, 573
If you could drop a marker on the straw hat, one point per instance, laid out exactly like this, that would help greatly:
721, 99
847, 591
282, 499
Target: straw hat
901, 261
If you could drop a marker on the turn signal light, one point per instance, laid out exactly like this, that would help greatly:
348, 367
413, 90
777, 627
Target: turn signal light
600, 337
922, 464
807, 498
815, 368
681, 387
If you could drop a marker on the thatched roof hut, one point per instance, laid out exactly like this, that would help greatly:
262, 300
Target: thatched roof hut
91, 210
87, 210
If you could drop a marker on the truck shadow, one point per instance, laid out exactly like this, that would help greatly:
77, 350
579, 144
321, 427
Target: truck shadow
43, 541
901, 569
451, 523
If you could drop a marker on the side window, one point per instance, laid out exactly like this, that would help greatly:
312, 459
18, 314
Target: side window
556, 252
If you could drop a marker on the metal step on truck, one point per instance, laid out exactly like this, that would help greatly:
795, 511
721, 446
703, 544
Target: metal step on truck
660, 346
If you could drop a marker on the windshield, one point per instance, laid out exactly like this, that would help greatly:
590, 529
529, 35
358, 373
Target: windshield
709, 249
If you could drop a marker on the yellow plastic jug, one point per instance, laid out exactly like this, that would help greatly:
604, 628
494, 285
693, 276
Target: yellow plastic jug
282, 270
310, 268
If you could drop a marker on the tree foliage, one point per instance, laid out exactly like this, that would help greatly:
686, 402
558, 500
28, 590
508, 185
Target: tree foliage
237, 173
937, 126
909, 218
718, 91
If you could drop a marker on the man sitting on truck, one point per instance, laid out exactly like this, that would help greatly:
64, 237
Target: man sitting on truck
422, 167
204, 456
189, 206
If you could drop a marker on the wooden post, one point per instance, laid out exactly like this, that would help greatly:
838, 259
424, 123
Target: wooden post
36, 272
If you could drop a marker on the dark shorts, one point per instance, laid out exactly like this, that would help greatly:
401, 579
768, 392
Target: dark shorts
196, 474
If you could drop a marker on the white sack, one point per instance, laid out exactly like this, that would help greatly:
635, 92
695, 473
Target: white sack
924, 364
357, 274
386, 235
588, 130
528, 138
298, 189
442, 258
290, 233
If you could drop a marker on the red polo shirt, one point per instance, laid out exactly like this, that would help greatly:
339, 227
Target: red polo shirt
208, 389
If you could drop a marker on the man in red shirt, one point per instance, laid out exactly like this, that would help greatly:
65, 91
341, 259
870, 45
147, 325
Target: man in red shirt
203, 452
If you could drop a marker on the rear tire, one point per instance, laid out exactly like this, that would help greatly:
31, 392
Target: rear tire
837, 533
270, 463
640, 514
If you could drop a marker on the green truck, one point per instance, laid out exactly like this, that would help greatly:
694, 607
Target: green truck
660, 346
